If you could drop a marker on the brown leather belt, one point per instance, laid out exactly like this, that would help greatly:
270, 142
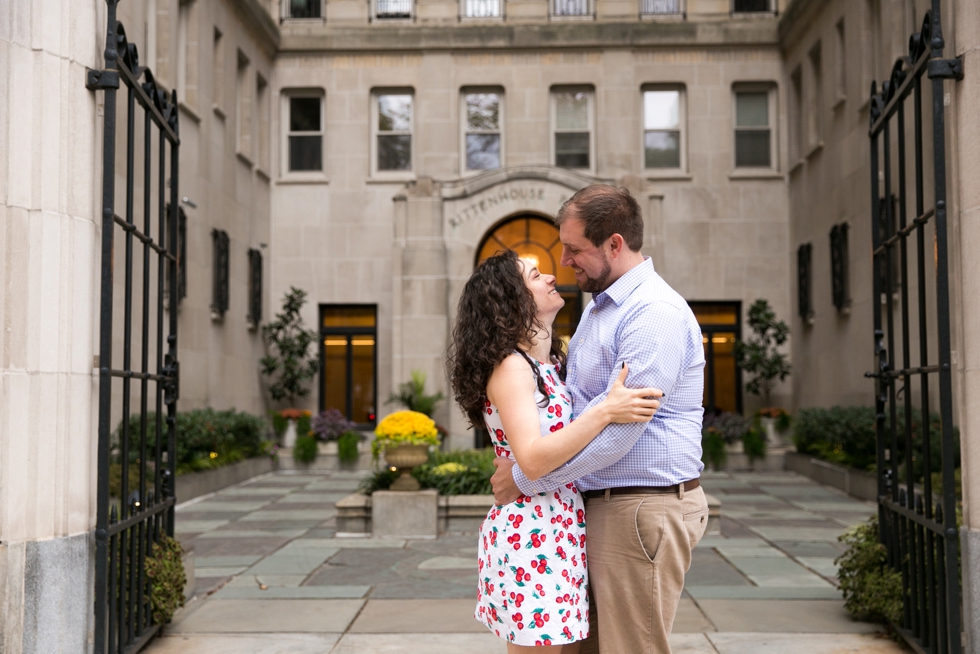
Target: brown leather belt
642, 490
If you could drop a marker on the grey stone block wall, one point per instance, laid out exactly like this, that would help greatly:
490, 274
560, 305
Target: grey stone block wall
46, 596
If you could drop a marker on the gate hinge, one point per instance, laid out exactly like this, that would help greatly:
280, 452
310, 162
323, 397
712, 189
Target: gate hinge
101, 79
946, 68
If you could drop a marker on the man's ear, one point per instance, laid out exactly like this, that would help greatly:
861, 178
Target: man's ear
616, 245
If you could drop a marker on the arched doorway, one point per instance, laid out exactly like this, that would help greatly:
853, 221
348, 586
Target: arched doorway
535, 238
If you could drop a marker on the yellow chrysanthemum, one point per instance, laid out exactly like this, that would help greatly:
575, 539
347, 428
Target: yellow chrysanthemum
451, 468
408, 427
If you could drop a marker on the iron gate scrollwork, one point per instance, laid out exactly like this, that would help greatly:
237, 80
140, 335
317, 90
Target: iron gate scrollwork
917, 517
136, 463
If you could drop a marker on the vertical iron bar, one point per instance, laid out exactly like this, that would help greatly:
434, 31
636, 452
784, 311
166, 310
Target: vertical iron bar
929, 635
950, 530
910, 542
890, 318
125, 547
113, 591
161, 276
879, 346
105, 341
172, 337
144, 360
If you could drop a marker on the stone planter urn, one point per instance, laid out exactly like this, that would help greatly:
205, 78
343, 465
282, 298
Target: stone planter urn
289, 436
774, 437
406, 457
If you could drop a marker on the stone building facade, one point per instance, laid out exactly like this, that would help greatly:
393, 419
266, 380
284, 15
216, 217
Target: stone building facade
372, 152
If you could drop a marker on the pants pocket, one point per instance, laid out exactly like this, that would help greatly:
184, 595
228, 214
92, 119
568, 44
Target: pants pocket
696, 523
648, 519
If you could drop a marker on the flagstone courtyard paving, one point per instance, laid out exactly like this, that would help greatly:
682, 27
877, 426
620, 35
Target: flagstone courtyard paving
273, 577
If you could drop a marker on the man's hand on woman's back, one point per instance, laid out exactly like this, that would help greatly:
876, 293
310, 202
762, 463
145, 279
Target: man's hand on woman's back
505, 490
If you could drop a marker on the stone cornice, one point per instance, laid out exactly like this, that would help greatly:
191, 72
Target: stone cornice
796, 19
465, 188
401, 37
261, 24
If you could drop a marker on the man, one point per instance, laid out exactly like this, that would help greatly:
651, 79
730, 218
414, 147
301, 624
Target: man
644, 505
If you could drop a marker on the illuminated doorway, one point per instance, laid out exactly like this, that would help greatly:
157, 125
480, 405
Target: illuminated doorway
536, 239
721, 326
349, 361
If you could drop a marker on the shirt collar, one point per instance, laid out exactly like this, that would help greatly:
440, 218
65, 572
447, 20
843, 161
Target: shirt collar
622, 287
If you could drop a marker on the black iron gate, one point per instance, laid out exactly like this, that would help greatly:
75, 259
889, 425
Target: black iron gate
136, 460
917, 499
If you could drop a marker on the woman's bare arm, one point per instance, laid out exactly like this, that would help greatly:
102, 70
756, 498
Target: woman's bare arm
511, 389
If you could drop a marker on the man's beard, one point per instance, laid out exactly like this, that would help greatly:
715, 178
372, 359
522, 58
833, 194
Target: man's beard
597, 284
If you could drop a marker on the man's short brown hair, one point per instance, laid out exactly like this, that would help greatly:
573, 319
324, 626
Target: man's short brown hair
605, 210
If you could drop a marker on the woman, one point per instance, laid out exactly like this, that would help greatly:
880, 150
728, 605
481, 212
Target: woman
507, 370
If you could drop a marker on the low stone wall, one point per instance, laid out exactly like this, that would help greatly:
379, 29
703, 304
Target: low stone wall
201, 483
326, 459
456, 513
856, 483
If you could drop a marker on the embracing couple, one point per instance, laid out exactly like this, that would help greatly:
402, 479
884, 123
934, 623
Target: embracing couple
612, 432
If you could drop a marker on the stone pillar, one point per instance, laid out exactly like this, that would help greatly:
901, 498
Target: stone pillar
50, 135
420, 313
963, 25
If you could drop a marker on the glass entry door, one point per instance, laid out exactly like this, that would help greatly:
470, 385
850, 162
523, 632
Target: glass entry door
721, 326
348, 361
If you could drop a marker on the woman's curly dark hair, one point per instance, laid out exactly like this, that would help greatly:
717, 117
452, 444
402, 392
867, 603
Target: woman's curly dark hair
496, 313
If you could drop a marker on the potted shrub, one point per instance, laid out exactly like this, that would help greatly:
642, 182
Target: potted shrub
405, 438
760, 355
297, 422
289, 364
331, 425
773, 423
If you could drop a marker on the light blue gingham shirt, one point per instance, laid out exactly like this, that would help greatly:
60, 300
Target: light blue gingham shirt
641, 320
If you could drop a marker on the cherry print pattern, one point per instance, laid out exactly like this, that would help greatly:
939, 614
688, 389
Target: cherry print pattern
533, 580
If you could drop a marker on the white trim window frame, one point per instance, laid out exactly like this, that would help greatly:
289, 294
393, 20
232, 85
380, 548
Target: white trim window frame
571, 9
302, 154
752, 7
664, 140
754, 124
572, 117
481, 10
392, 10
393, 133
481, 129
663, 9
311, 7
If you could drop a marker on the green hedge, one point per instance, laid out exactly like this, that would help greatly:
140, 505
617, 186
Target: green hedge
206, 438
458, 472
846, 435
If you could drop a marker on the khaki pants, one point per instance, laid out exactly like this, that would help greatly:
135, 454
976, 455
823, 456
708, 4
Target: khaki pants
639, 548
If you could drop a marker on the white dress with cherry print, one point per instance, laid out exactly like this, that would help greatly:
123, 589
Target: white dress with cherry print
533, 579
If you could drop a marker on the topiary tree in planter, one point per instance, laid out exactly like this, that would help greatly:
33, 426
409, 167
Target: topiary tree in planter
760, 356
289, 364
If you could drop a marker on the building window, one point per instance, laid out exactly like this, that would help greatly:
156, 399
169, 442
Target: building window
721, 326
838, 267
753, 128
572, 118
663, 133
305, 139
481, 140
244, 107
804, 277
218, 73
348, 361
815, 100
254, 288
388, 9
219, 291
393, 124
188, 47
752, 6
796, 115
661, 7
841, 60
262, 120
570, 8
180, 249
481, 8
298, 9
